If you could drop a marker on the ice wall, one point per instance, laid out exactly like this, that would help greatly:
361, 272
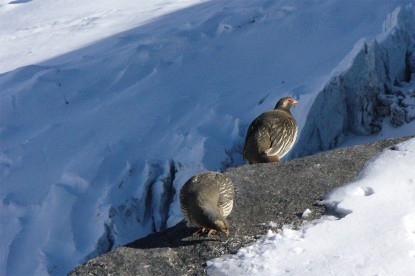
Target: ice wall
372, 86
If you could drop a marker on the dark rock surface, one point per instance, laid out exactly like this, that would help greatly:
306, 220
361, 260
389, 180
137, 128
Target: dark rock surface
264, 192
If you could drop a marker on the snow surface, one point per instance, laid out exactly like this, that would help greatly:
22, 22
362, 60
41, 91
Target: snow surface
371, 233
35, 31
108, 107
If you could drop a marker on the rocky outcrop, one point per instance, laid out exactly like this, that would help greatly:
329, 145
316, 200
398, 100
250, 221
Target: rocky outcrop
265, 193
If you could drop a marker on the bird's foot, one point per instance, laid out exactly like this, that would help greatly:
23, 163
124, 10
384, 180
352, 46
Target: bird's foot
201, 231
205, 231
212, 232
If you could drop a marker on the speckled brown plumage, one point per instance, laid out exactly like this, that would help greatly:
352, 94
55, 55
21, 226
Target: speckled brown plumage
206, 200
271, 135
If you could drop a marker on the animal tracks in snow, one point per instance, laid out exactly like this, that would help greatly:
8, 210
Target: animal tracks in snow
363, 191
336, 209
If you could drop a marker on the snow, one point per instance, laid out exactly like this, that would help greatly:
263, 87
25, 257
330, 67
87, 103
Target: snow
369, 90
43, 26
108, 107
372, 231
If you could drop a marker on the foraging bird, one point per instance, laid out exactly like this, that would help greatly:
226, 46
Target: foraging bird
271, 135
206, 200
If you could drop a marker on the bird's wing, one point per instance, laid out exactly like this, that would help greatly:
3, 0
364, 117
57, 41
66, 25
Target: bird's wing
253, 127
282, 134
258, 131
226, 194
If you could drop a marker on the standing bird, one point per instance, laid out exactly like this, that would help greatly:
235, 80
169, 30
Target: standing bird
206, 200
271, 135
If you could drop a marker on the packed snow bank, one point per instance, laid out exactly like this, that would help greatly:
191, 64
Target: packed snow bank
373, 87
371, 230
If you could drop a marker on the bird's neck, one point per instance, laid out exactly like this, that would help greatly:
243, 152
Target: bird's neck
283, 109
212, 213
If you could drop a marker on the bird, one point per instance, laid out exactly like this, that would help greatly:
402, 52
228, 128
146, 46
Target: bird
206, 199
272, 134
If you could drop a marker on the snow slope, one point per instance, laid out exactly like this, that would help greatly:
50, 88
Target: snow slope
372, 231
47, 29
107, 108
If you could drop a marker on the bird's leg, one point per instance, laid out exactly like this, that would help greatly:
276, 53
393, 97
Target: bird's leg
212, 232
201, 231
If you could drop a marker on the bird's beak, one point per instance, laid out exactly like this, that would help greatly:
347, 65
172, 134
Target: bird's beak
226, 232
294, 101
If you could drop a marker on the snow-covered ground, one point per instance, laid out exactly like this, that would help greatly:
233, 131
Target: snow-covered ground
372, 231
108, 107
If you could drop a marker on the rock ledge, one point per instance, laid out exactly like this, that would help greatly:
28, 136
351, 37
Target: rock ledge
265, 193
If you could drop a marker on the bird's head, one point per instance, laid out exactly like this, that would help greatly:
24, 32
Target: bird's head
222, 225
286, 103
213, 219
